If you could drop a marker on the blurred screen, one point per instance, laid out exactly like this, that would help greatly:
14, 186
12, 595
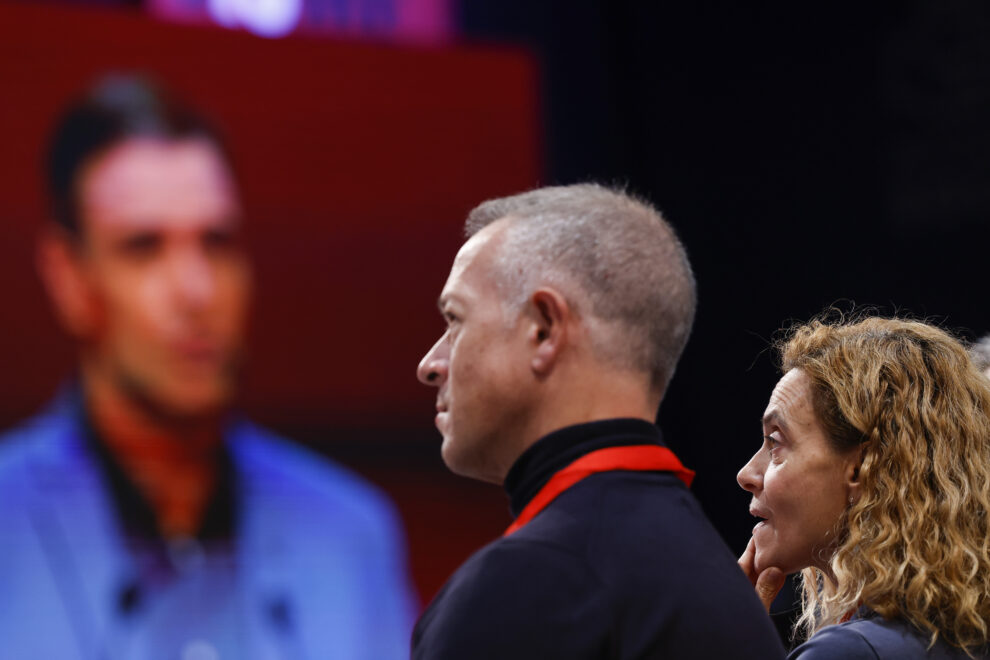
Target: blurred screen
422, 21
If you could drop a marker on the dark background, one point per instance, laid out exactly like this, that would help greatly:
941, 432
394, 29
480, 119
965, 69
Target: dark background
808, 154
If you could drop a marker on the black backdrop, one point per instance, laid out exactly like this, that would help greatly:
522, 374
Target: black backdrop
807, 153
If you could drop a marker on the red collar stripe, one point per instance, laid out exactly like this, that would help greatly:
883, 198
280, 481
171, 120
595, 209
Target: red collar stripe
636, 458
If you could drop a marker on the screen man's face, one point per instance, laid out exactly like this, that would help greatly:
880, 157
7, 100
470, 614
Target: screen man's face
161, 259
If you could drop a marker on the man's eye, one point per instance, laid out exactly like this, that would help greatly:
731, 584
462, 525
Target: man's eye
219, 240
141, 245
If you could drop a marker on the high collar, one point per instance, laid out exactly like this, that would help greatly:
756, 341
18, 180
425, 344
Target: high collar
558, 449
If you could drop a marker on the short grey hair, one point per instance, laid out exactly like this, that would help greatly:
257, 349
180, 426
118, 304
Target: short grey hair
613, 257
980, 353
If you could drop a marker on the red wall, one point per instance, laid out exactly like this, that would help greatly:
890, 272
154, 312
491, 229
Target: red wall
358, 163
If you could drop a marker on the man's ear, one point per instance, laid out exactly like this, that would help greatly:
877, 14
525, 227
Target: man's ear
548, 334
60, 267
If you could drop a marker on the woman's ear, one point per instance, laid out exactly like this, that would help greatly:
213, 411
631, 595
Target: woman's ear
61, 271
853, 467
550, 313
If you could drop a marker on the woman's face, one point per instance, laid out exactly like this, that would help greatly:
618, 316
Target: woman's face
800, 484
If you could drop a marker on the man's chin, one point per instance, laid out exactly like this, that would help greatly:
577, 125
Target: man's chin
449, 454
195, 407
183, 400
465, 463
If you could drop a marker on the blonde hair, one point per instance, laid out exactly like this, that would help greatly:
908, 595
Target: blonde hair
915, 545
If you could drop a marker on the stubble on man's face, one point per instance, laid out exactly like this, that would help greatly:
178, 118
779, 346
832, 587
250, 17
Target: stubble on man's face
483, 399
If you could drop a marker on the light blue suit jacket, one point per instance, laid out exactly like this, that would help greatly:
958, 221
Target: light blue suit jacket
318, 569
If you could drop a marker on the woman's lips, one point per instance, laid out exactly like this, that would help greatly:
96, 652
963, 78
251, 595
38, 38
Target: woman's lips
759, 513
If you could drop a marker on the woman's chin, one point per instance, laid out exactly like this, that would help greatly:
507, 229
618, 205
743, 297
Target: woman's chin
766, 558
764, 554
762, 562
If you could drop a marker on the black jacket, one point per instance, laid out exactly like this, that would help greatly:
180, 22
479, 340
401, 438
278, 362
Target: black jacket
621, 565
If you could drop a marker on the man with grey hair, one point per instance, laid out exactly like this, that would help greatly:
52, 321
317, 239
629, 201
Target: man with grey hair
980, 352
567, 310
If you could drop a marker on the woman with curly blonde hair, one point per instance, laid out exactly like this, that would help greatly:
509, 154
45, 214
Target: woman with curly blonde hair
874, 481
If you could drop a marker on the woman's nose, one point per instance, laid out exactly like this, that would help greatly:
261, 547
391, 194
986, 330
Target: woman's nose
750, 477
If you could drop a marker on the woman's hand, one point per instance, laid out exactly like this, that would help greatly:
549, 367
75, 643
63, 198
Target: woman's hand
767, 583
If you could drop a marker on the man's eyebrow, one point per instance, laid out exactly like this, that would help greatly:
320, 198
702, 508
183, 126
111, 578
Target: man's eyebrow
445, 299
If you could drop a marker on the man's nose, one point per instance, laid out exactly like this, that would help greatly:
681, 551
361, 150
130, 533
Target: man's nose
432, 369
193, 278
750, 477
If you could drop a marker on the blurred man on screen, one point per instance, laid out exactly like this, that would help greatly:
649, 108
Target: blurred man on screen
139, 517
567, 310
